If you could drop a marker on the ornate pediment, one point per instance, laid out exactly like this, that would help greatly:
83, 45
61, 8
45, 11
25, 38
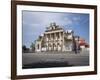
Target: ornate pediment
53, 26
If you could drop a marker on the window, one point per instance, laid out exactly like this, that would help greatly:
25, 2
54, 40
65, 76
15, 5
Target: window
38, 46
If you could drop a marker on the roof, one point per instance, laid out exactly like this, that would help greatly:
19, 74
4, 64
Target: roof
69, 31
39, 38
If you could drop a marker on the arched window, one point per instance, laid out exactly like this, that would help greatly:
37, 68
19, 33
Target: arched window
38, 46
58, 44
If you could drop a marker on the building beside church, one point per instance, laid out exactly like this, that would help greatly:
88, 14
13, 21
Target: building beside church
55, 38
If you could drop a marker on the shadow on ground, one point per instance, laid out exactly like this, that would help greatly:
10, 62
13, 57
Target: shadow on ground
46, 65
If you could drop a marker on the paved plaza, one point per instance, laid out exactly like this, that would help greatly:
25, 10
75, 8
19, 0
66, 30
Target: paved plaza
55, 59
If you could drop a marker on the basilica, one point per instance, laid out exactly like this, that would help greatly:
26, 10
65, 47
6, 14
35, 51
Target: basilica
55, 38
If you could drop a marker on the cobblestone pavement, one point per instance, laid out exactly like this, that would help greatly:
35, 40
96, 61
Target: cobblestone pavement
55, 59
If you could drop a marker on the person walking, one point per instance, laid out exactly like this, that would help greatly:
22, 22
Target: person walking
74, 46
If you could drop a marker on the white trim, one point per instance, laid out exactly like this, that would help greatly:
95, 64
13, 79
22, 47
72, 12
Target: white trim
21, 71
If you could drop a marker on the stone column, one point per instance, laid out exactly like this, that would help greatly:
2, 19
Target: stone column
55, 40
46, 41
63, 42
49, 41
59, 40
59, 35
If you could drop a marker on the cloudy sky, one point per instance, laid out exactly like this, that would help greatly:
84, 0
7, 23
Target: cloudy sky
35, 22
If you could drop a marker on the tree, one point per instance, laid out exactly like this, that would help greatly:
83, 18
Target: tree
24, 48
32, 46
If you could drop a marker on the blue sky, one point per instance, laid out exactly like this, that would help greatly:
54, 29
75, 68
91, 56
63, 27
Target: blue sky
35, 22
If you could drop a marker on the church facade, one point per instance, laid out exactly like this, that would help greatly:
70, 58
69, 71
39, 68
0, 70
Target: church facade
56, 38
